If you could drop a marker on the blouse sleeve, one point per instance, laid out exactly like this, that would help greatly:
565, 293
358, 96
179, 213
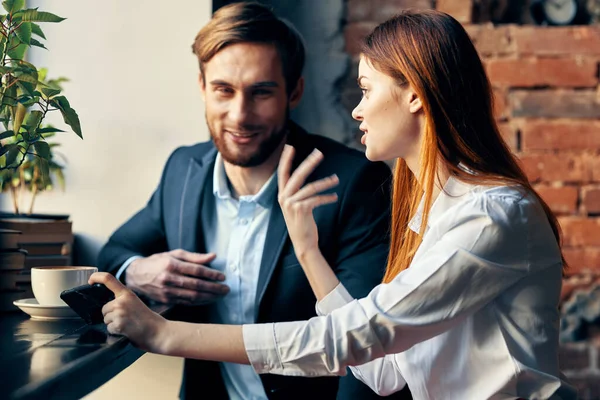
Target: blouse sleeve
478, 256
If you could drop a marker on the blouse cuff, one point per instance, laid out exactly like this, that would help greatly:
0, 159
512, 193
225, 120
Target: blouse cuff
261, 347
335, 299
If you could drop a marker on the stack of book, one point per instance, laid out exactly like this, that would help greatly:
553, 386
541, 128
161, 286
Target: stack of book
15, 278
27, 243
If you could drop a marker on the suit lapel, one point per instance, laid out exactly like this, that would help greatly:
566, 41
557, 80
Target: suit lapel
277, 231
195, 184
274, 241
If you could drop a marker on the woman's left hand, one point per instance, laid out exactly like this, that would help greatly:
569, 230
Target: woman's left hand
298, 201
127, 315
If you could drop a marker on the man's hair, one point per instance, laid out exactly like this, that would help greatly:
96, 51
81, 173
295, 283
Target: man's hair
248, 22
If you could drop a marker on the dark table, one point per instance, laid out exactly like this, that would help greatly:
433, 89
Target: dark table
59, 359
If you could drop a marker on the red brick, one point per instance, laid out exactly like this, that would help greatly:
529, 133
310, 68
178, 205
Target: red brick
558, 72
574, 357
557, 40
590, 199
582, 259
509, 134
462, 10
578, 231
595, 167
500, 106
489, 40
562, 167
559, 135
555, 103
354, 34
386, 9
561, 199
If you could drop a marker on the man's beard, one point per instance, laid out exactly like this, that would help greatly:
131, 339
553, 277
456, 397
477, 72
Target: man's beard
254, 158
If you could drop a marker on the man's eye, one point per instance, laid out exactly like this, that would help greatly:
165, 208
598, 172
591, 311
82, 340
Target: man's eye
224, 90
261, 92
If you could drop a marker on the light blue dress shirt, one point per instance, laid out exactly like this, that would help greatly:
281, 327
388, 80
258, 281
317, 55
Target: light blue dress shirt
236, 233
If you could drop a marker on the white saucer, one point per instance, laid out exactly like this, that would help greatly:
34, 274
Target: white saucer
45, 313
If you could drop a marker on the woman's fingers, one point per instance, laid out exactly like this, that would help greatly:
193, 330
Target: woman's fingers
297, 179
314, 188
285, 166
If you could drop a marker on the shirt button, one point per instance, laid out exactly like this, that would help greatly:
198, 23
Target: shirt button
243, 221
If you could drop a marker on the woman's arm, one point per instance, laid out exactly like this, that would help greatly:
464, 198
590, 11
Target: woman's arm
297, 204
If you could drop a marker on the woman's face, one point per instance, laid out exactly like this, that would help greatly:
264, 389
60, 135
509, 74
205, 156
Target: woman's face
390, 116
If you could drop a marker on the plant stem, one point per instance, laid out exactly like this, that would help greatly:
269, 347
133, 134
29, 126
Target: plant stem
14, 198
33, 194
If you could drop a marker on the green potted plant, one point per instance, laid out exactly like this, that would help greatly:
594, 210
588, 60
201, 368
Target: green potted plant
27, 159
25, 99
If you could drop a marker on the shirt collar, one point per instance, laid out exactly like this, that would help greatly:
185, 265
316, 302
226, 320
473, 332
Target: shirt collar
221, 190
451, 194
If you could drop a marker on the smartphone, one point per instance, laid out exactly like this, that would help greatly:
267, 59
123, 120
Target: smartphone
87, 301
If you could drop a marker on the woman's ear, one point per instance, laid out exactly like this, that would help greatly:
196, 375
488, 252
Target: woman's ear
415, 104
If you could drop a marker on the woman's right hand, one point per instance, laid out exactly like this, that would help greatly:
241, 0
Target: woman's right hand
298, 202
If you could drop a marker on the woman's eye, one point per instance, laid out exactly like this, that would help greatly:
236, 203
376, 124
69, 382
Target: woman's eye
364, 92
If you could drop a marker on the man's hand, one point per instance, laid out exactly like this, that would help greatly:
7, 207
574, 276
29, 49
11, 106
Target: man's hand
177, 277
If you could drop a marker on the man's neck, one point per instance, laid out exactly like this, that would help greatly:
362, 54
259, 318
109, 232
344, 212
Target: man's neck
247, 181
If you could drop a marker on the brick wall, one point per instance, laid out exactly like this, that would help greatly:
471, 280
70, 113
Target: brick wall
547, 95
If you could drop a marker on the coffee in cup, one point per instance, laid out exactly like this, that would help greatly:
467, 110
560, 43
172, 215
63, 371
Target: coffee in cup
47, 283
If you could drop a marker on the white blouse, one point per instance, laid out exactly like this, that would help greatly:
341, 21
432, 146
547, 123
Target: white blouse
474, 317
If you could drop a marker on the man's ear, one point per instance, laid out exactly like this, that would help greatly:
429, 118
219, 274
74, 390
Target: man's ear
415, 105
202, 85
297, 93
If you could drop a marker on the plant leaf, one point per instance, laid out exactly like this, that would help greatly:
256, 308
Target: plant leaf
40, 16
69, 115
4, 149
50, 92
6, 134
27, 88
37, 43
27, 78
18, 52
49, 129
23, 32
44, 170
19, 115
60, 177
10, 96
42, 149
12, 154
13, 6
33, 119
37, 30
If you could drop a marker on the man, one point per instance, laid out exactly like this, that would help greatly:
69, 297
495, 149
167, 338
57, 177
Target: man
212, 238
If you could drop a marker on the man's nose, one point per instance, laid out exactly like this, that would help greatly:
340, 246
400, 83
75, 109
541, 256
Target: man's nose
240, 109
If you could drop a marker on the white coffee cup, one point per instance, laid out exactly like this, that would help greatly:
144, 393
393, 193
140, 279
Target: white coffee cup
47, 283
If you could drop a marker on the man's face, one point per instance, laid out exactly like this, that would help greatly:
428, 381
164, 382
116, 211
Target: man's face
246, 102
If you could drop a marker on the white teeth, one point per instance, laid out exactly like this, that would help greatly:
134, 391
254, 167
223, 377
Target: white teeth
237, 134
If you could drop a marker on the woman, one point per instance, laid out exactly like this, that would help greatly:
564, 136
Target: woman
469, 304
